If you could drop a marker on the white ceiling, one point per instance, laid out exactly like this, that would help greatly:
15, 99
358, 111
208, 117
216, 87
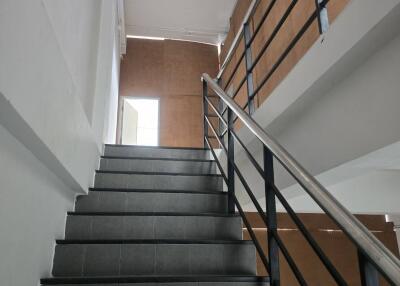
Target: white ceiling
193, 20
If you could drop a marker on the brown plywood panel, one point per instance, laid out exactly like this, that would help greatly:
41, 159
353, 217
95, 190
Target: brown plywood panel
171, 71
142, 69
297, 18
334, 243
238, 14
181, 121
184, 63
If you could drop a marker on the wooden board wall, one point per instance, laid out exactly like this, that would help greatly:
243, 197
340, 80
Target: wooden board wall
296, 19
170, 70
333, 242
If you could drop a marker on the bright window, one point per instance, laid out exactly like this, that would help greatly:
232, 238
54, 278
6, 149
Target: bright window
147, 120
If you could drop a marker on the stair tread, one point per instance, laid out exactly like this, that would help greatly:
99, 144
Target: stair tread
151, 214
158, 173
157, 158
152, 241
155, 278
157, 147
96, 189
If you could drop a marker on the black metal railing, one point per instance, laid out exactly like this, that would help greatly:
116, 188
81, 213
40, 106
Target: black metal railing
319, 15
374, 258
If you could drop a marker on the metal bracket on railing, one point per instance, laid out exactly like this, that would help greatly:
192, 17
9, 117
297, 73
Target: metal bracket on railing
323, 20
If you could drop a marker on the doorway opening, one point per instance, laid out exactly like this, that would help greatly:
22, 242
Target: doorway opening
140, 121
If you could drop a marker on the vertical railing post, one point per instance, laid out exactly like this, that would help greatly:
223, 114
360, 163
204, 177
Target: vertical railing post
220, 109
322, 17
205, 112
369, 274
231, 160
249, 63
272, 225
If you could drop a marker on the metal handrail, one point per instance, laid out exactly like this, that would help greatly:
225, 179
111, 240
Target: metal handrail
387, 263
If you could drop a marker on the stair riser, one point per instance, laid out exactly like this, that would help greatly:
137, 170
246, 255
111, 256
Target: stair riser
151, 202
132, 151
158, 182
187, 167
154, 259
153, 227
176, 284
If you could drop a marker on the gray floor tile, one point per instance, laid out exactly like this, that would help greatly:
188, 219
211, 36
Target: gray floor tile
112, 201
138, 259
169, 227
239, 259
139, 227
107, 227
102, 260
199, 227
78, 227
172, 259
68, 260
206, 259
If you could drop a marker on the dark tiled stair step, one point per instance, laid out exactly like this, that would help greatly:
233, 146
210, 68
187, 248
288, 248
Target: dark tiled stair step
119, 200
131, 225
158, 180
201, 280
136, 190
156, 152
153, 257
132, 164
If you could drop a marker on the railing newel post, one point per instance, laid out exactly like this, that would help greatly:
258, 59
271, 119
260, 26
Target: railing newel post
249, 63
272, 225
322, 16
231, 160
368, 273
205, 112
220, 108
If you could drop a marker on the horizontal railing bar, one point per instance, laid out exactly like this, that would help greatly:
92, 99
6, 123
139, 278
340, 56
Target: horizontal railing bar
239, 87
314, 245
212, 115
216, 135
249, 155
303, 29
216, 160
239, 34
239, 174
386, 262
259, 25
224, 132
216, 111
252, 234
273, 34
235, 69
289, 259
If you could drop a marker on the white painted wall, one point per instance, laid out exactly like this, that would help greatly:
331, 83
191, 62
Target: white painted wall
204, 21
76, 26
348, 110
375, 192
33, 205
58, 91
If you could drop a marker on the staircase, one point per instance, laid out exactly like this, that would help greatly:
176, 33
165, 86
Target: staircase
156, 216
